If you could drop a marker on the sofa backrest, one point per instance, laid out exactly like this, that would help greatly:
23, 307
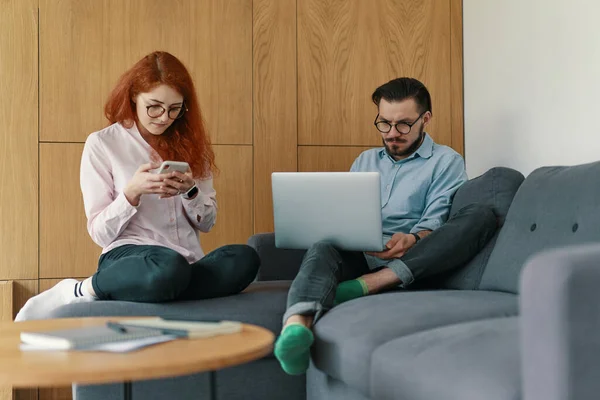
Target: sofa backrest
276, 264
555, 206
496, 189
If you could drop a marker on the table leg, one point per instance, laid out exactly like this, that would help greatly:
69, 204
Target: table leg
127, 392
212, 377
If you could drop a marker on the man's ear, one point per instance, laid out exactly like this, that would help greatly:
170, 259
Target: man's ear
427, 118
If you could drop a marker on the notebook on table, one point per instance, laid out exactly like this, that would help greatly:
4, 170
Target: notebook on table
93, 338
124, 335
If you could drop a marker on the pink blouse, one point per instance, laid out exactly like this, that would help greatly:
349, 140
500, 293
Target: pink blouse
110, 158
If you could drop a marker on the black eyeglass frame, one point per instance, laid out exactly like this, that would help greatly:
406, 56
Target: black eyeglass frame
396, 124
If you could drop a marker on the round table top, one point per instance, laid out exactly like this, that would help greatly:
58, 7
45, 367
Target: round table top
178, 357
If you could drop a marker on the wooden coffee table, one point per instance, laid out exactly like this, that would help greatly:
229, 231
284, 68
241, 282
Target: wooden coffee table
179, 357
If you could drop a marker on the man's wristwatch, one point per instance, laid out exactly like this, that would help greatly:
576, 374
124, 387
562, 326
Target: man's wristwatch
190, 193
417, 237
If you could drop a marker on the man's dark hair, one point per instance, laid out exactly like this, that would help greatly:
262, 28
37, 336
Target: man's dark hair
400, 89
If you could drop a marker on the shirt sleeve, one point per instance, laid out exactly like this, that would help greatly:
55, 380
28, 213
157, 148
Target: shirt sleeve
441, 191
107, 213
202, 209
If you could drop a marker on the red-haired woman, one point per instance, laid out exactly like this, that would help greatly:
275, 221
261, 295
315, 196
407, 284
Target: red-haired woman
147, 223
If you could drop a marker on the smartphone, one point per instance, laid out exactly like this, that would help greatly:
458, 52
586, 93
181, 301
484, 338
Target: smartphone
170, 166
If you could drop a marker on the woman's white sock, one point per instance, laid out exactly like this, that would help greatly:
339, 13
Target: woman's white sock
67, 291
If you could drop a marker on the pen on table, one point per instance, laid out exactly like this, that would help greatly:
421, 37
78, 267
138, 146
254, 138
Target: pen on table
191, 319
116, 327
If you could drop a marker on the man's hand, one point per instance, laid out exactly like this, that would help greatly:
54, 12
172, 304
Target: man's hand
396, 247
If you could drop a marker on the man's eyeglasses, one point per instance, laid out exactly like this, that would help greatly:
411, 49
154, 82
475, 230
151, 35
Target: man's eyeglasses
155, 111
402, 127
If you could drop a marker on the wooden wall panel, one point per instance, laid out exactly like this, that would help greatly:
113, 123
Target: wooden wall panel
234, 197
62, 393
26, 394
6, 314
66, 249
274, 91
6, 301
327, 158
22, 291
86, 45
456, 67
19, 154
346, 49
18, 139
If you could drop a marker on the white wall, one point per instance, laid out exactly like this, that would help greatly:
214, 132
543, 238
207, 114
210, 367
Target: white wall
532, 83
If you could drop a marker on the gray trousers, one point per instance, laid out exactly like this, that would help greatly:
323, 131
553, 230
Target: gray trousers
447, 248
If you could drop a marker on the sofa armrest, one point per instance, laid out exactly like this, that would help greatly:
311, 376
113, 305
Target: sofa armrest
560, 324
276, 264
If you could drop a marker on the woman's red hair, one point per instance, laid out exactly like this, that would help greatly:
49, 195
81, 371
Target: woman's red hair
186, 139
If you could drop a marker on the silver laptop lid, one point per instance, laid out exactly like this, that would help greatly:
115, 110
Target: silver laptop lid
343, 208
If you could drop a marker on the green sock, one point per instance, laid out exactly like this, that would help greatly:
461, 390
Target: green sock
349, 290
292, 348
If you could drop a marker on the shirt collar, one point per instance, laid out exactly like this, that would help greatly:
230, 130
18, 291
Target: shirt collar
425, 150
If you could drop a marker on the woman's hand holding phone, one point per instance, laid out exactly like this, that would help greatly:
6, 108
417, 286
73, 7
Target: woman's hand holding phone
177, 183
145, 182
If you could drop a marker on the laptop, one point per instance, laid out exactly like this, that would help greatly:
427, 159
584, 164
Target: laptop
342, 208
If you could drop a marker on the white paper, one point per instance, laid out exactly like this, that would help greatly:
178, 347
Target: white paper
112, 347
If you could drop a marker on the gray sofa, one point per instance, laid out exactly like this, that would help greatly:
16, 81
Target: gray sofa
465, 335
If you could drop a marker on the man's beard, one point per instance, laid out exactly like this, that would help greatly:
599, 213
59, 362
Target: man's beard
394, 152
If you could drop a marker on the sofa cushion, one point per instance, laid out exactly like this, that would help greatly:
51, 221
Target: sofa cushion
262, 303
496, 189
473, 360
347, 335
320, 386
554, 207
